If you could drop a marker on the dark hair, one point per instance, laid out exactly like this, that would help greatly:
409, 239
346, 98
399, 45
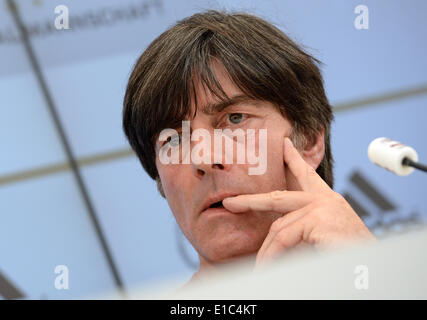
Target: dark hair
259, 58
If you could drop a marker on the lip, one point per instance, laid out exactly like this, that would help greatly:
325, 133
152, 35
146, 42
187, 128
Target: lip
212, 211
215, 198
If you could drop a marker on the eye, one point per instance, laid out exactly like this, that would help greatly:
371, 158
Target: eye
174, 140
235, 118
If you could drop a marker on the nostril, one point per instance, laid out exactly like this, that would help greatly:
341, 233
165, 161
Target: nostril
219, 165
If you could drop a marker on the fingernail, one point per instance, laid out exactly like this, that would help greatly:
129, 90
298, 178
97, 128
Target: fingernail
228, 199
288, 141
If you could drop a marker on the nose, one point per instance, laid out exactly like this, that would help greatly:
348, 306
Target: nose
211, 164
201, 169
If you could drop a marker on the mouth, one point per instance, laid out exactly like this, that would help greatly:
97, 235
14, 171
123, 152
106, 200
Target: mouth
215, 208
217, 204
214, 203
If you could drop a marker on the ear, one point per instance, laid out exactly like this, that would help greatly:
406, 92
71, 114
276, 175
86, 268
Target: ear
314, 151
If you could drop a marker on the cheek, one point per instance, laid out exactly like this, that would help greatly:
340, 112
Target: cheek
275, 151
177, 187
275, 161
177, 190
170, 188
169, 179
276, 138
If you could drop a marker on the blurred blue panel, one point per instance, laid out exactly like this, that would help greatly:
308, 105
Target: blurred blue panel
98, 28
89, 99
13, 58
43, 223
139, 225
27, 135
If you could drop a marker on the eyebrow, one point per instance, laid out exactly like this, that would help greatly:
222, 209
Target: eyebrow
212, 108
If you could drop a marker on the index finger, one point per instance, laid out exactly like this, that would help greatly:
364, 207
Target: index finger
305, 175
278, 201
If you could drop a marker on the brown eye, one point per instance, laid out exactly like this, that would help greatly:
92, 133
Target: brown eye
235, 118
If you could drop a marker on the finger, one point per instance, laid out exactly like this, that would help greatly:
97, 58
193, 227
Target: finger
277, 201
288, 237
305, 175
278, 225
301, 246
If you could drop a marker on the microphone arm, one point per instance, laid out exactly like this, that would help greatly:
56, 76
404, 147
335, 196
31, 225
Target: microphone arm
416, 165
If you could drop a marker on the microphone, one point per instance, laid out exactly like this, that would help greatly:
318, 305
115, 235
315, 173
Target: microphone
394, 156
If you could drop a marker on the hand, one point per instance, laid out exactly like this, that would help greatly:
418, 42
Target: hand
315, 216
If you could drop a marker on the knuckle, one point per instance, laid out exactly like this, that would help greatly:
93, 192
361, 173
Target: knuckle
275, 195
275, 226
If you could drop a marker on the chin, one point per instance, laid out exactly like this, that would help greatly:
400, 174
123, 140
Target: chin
229, 249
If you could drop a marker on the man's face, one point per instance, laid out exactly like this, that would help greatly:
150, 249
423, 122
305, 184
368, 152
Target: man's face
217, 234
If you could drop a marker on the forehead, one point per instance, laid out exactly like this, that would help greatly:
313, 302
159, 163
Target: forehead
209, 103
